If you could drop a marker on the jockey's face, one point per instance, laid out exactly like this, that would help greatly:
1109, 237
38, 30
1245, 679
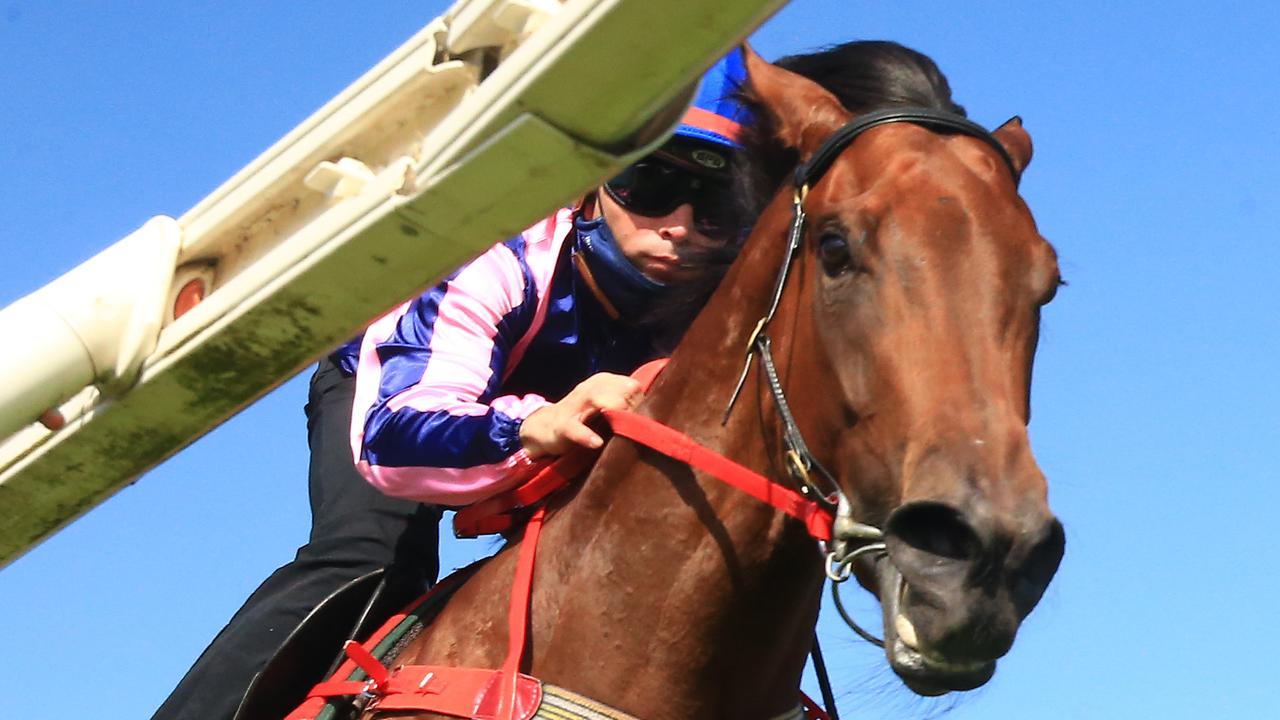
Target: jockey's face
655, 245
658, 209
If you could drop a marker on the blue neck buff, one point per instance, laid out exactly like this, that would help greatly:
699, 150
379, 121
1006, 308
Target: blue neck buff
630, 291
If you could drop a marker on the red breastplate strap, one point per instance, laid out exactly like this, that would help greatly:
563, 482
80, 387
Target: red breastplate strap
452, 691
812, 710
481, 694
518, 616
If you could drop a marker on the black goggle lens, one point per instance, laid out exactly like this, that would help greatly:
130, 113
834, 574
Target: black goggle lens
654, 188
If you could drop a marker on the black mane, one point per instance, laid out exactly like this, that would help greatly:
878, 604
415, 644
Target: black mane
864, 75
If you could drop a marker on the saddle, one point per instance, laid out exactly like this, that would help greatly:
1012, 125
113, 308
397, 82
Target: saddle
313, 650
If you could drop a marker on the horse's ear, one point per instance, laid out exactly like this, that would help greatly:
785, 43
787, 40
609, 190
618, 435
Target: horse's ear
803, 113
1016, 141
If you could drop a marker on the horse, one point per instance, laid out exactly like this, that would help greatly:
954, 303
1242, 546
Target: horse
886, 307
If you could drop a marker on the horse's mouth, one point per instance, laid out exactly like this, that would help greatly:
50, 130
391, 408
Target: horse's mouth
922, 672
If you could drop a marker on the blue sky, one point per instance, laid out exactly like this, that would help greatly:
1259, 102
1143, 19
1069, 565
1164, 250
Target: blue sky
1155, 175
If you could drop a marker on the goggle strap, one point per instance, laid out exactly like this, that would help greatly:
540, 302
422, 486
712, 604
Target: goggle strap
585, 271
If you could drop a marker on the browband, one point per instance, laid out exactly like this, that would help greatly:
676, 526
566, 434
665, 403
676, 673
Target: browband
809, 172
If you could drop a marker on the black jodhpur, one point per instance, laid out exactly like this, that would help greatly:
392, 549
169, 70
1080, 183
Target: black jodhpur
354, 530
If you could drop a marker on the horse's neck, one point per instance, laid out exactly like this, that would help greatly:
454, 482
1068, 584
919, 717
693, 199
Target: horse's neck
707, 595
703, 597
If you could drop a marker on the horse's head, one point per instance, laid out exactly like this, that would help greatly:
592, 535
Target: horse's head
911, 372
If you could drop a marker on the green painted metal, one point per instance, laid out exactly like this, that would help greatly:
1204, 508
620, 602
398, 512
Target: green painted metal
628, 62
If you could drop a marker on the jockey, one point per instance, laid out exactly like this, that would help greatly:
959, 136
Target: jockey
460, 390
452, 396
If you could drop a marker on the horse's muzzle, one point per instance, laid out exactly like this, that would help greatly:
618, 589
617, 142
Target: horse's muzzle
953, 592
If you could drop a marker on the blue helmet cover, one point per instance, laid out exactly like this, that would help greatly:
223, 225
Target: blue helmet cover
717, 96
704, 139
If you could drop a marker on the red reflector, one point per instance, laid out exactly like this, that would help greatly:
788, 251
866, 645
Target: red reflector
188, 297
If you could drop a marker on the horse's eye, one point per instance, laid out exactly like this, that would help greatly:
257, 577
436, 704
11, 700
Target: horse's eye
833, 250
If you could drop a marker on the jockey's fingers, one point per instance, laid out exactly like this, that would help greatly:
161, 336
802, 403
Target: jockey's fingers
630, 392
607, 401
580, 434
634, 396
612, 392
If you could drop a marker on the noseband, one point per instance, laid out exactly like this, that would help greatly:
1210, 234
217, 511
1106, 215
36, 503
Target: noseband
800, 463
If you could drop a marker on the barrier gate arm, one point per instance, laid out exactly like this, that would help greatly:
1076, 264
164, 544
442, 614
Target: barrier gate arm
463, 136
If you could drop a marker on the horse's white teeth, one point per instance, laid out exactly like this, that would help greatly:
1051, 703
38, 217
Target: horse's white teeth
906, 631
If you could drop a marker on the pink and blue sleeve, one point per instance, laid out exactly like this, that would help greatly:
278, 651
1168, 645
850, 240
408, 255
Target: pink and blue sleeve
428, 423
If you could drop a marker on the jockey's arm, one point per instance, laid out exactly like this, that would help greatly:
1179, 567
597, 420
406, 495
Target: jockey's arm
427, 423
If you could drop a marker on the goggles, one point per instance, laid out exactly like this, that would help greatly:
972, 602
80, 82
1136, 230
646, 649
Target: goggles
654, 187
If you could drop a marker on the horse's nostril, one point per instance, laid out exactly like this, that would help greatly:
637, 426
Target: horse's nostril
1039, 568
936, 529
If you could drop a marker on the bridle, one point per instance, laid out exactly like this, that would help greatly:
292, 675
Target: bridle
801, 465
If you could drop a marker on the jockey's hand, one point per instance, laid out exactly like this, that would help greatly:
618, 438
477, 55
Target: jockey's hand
557, 428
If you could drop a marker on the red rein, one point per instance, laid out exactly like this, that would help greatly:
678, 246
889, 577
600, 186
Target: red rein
494, 515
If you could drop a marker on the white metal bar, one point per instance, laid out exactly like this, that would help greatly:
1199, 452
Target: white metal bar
439, 158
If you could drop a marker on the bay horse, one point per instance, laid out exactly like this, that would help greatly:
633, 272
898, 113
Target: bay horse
903, 330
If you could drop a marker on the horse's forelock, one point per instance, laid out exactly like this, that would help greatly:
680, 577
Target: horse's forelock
871, 74
864, 75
